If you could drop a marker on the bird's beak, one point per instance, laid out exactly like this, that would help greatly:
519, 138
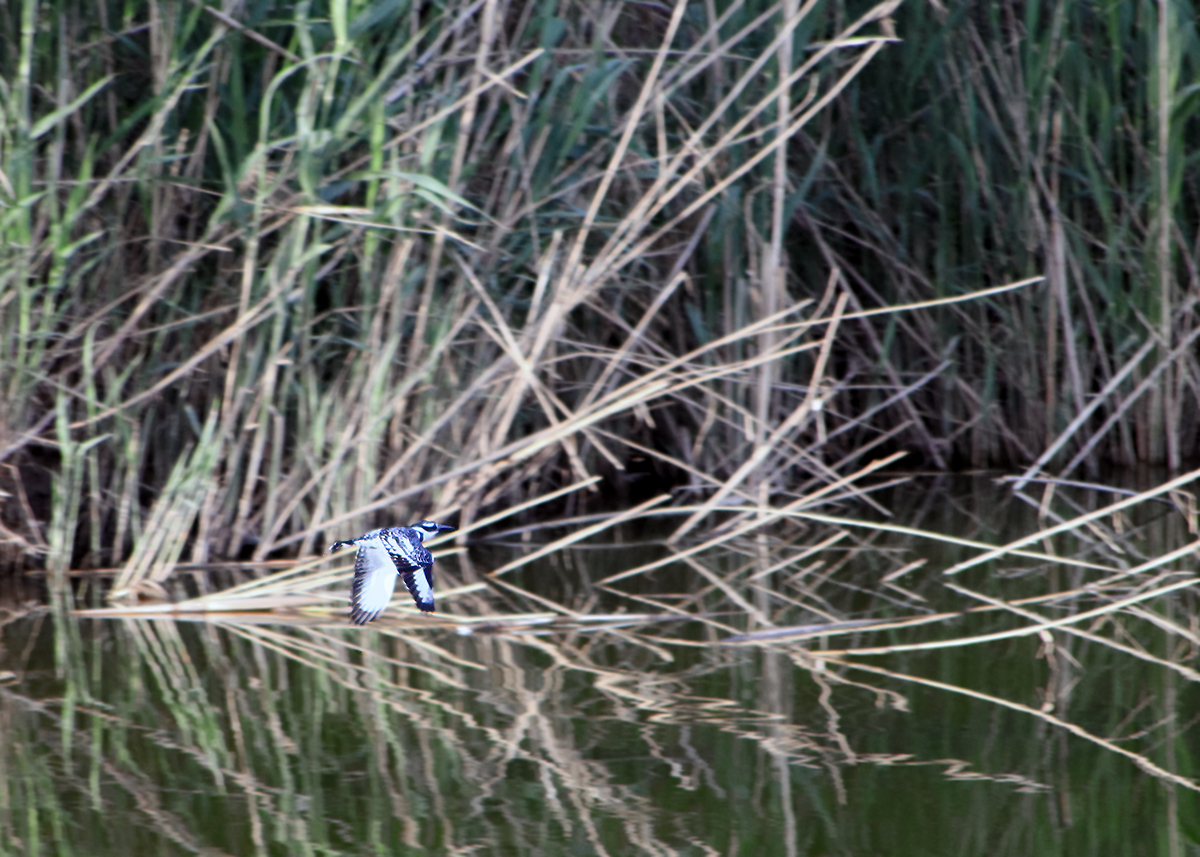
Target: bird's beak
442, 528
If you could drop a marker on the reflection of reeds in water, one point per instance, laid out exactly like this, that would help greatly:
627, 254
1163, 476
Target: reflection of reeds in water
480, 744
700, 723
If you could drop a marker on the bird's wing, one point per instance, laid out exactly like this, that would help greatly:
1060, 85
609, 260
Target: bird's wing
374, 582
420, 585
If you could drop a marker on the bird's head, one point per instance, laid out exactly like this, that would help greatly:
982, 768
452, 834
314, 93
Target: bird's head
428, 529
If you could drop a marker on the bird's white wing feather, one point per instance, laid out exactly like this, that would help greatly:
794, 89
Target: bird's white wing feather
374, 582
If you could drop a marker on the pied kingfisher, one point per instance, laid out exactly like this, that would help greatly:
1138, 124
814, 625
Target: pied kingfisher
383, 554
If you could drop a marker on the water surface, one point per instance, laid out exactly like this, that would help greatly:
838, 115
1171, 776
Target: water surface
302, 735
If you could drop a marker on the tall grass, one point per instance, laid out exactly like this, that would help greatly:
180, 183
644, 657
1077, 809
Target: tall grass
346, 265
1004, 139
274, 277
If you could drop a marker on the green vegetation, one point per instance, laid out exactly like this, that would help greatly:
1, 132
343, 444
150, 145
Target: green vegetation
266, 277
1002, 140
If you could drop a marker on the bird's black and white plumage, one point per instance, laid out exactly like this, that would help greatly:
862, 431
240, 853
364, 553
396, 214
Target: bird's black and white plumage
383, 554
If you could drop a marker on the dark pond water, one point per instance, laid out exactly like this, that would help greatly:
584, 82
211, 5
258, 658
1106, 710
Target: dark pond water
277, 736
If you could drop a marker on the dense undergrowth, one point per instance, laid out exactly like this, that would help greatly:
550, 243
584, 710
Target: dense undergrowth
320, 265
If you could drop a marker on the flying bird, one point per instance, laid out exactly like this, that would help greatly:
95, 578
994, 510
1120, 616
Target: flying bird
384, 554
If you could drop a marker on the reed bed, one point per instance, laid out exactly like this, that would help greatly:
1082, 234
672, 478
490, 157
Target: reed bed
348, 267
333, 275
1004, 139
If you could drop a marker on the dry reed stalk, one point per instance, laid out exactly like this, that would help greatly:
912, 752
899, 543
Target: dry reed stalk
1132, 651
608, 522
875, 526
1074, 523
1112, 608
762, 518
1137, 758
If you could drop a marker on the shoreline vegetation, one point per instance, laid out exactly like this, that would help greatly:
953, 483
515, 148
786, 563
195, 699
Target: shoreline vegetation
267, 277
